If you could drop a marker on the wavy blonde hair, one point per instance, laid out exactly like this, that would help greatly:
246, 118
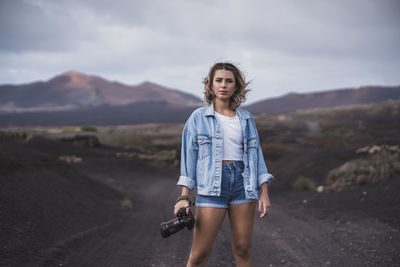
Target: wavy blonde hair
238, 97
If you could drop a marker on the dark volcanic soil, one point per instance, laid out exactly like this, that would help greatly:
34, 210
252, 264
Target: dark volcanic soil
59, 214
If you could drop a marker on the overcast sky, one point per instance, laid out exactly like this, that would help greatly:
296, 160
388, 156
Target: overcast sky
282, 46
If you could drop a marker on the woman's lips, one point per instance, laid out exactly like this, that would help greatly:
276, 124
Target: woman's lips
223, 92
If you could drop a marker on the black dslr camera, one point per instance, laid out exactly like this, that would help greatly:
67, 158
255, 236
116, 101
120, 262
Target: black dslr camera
182, 219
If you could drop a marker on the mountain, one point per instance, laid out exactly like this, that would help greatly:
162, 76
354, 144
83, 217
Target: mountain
73, 98
333, 98
73, 90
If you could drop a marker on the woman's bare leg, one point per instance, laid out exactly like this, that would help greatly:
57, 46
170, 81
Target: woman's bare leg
241, 217
208, 222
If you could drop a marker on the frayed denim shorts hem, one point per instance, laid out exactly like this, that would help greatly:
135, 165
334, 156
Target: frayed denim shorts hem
223, 206
212, 205
242, 201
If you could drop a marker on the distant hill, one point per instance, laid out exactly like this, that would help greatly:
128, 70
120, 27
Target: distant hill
333, 98
73, 90
74, 98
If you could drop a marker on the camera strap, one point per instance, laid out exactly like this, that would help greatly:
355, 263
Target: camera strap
191, 204
185, 197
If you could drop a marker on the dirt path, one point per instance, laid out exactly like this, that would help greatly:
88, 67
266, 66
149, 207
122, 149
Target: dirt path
283, 239
54, 214
286, 237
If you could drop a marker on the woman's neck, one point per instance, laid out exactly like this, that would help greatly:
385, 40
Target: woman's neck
223, 107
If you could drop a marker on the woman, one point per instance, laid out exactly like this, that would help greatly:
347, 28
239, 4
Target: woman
222, 158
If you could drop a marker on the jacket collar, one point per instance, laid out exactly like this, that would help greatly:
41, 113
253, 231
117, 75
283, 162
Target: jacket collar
243, 114
210, 110
240, 112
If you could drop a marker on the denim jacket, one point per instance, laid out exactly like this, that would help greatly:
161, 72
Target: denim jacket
201, 155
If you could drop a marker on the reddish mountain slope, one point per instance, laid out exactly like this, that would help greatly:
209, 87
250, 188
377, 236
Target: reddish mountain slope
72, 90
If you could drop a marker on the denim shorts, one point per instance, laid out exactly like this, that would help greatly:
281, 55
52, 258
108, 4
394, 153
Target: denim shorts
232, 189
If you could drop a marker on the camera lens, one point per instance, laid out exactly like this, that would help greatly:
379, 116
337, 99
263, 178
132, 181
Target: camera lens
183, 220
164, 230
171, 227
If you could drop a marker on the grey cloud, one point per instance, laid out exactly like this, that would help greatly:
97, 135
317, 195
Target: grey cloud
326, 29
347, 28
25, 26
284, 45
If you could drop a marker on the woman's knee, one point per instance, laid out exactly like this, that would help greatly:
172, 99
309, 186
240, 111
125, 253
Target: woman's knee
198, 257
242, 249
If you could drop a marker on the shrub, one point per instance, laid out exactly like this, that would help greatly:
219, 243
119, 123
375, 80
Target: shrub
71, 129
303, 183
89, 128
126, 203
374, 164
274, 151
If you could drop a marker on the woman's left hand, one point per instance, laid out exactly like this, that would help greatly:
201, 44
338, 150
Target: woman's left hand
263, 202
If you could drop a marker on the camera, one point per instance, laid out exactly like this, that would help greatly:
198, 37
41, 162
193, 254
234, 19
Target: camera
182, 219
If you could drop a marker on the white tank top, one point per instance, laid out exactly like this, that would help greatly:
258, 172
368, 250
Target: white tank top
232, 137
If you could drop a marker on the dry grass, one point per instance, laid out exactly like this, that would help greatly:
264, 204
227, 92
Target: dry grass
303, 183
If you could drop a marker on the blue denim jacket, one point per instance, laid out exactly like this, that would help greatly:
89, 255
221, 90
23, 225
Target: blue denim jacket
201, 158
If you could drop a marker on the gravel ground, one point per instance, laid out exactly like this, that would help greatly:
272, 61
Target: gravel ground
59, 214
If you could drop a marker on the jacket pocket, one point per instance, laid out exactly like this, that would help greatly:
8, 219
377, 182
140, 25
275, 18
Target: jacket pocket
204, 147
252, 146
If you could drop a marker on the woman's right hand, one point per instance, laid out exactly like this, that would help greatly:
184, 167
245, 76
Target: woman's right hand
181, 204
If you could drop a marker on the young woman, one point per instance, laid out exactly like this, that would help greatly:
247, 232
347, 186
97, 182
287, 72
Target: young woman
222, 158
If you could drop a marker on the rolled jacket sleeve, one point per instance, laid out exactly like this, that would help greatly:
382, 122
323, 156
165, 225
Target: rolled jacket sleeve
189, 153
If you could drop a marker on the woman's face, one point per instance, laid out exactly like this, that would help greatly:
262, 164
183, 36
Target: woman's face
223, 84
